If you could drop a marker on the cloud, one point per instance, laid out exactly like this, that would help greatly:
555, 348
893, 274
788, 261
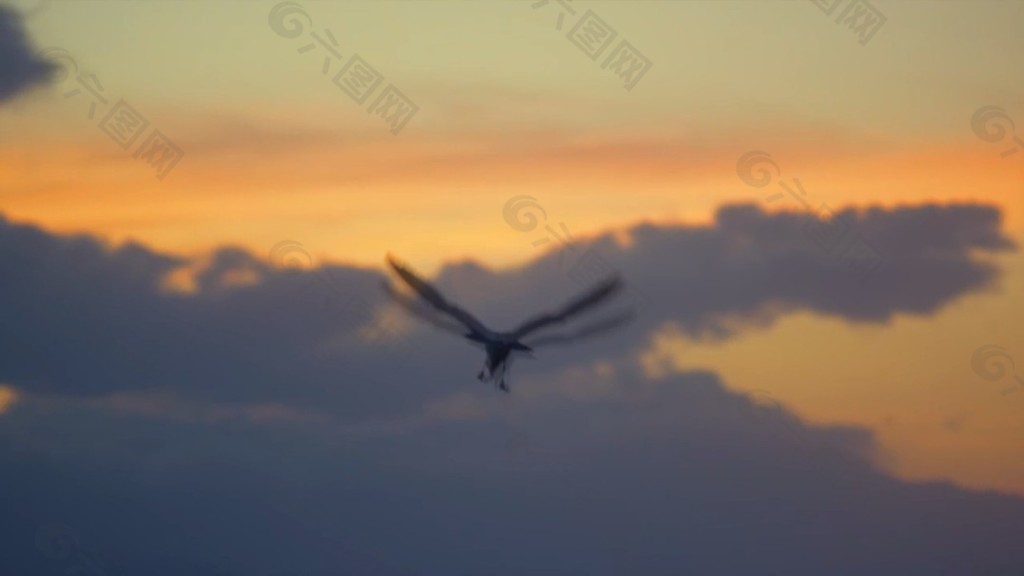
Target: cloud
663, 476
20, 67
260, 425
84, 319
8, 396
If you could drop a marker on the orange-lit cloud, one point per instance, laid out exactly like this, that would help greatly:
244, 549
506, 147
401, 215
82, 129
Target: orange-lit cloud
8, 396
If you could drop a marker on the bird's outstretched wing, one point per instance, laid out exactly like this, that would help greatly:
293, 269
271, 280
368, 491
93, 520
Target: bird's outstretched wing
593, 329
588, 299
423, 311
434, 298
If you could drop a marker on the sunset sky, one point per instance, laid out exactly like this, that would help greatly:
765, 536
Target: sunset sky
130, 290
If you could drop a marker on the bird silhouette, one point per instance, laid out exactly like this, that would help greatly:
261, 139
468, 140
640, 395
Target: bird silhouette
432, 307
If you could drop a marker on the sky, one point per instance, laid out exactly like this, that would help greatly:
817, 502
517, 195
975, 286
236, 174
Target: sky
817, 207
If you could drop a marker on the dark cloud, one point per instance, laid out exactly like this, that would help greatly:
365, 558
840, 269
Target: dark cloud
668, 476
20, 67
83, 319
256, 427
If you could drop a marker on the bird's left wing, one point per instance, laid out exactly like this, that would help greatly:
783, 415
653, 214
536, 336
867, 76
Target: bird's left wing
435, 299
423, 311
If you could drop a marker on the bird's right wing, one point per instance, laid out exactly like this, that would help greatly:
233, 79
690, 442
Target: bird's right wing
588, 299
434, 298
592, 329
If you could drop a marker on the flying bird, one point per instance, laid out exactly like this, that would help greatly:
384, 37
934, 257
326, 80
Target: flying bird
434, 308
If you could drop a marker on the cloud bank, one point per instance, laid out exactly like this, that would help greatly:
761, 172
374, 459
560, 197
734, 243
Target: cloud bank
264, 424
88, 320
20, 67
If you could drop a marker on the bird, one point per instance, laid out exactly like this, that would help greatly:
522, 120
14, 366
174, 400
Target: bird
433, 307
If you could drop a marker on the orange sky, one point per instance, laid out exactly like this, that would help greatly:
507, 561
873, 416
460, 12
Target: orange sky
350, 203
273, 153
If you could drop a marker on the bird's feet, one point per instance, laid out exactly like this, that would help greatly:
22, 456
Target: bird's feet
480, 376
503, 386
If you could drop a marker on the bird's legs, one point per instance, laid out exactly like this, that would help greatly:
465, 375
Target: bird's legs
495, 367
498, 374
502, 385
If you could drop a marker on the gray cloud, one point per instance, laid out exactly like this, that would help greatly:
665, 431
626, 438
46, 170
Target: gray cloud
249, 428
20, 67
86, 320
674, 478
